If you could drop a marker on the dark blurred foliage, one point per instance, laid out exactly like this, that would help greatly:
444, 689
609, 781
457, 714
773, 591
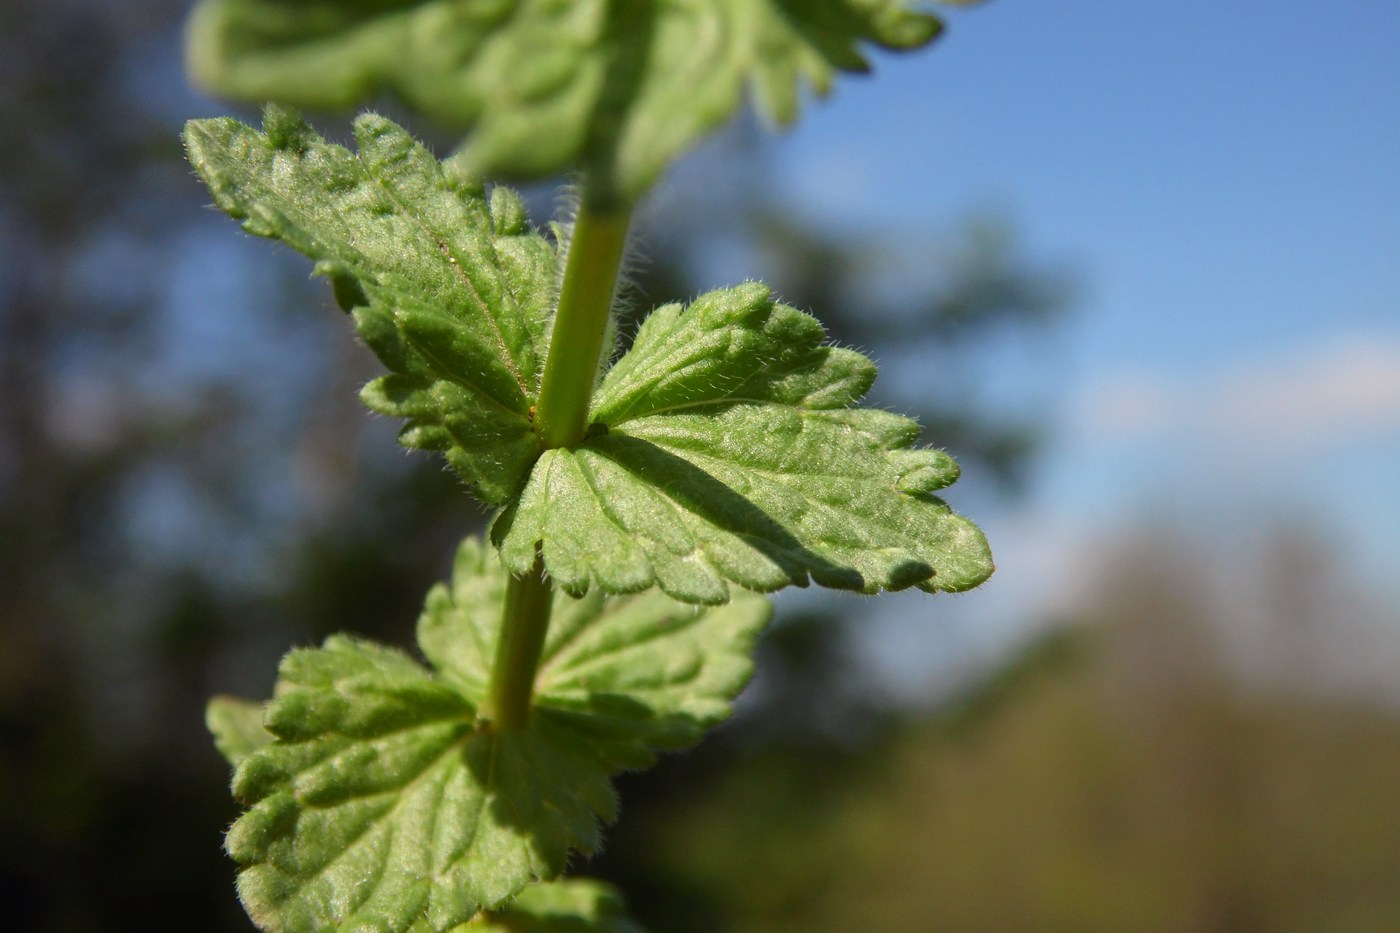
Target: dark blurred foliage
181, 492
188, 486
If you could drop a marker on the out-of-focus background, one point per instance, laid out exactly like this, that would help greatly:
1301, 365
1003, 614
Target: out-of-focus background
1137, 265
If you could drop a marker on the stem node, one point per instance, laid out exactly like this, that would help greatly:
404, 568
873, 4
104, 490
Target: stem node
560, 415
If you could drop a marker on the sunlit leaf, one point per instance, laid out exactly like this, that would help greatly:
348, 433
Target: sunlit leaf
726, 449
453, 293
237, 727
383, 800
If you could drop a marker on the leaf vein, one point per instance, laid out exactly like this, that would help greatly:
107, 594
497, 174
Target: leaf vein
502, 346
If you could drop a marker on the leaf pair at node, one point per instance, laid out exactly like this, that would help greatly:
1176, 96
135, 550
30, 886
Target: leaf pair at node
379, 798
726, 446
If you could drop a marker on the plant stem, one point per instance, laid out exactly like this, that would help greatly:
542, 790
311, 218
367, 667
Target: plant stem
528, 601
585, 301
561, 414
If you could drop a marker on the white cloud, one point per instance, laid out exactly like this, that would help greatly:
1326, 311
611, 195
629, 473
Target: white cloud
1349, 388
1344, 390
1130, 404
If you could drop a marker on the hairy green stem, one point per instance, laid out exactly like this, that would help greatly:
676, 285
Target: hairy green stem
585, 302
561, 415
528, 601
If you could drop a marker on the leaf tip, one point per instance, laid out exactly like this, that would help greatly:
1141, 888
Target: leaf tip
285, 128
200, 138
968, 562
508, 215
925, 471
373, 129
752, 294
900, 29
237, 727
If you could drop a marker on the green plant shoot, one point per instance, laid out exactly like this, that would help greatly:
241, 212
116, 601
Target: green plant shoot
642, 501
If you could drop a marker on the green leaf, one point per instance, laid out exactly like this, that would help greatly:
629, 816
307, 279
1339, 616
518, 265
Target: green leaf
453, 294
573, 906
725, 449
636, 674
237, 727
620, 87
384, 799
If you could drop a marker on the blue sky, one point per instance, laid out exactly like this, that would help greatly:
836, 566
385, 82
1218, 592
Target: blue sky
1226, 179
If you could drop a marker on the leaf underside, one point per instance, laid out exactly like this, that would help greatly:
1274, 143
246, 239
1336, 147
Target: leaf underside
237, 727
619, 87
379, 799
453, 292
725, 449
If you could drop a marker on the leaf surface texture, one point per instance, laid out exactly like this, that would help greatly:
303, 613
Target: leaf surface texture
725, 448
453, 292
381, 800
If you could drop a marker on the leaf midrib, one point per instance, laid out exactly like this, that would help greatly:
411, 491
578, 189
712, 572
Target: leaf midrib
483, 307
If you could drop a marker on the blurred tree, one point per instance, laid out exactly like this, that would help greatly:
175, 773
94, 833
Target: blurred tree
165, 480
1126, 775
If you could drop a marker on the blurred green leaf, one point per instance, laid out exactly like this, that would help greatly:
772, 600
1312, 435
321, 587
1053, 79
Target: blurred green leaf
621, 88
237, 727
